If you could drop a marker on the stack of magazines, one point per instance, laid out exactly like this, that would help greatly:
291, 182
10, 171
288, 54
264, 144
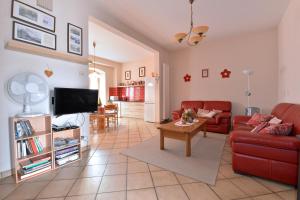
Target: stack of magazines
66, 155
34, 166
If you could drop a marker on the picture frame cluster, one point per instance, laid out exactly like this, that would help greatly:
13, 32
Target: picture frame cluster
36, 27
142, 73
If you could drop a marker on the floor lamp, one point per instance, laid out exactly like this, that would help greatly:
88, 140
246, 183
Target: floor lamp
249, 110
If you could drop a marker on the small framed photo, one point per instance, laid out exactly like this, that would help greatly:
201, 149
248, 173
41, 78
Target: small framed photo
142, 71
74, 39
127, 75
204, 73
32, 35
33, 16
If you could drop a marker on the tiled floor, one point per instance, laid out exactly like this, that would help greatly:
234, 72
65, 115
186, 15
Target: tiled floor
105, 174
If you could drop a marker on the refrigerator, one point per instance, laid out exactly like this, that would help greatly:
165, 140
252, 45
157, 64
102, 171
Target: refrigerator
149, 107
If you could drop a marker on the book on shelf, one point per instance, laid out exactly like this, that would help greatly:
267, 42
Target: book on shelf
28, 147
34, 166
23, 176
23, 128
67, 159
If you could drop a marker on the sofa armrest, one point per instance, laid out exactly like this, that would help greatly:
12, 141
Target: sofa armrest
223, 115
241, 119
280, 142
176, 114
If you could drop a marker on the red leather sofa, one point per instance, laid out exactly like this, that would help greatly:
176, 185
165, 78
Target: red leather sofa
219, 123
265, 155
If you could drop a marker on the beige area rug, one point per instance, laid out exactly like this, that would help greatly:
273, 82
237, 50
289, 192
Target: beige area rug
203, 165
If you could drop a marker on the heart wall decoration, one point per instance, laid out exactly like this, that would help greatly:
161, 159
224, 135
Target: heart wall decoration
48, 72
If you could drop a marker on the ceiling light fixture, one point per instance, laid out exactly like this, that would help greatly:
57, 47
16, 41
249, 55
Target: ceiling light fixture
94, 74
199, 31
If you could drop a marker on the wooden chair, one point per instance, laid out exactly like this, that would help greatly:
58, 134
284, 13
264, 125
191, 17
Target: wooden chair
111, 112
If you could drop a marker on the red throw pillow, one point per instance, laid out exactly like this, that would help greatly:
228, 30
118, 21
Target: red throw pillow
257, 118
279, 129
259, 127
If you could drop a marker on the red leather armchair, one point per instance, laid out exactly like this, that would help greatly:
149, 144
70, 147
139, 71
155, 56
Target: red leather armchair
219, 124
264, 155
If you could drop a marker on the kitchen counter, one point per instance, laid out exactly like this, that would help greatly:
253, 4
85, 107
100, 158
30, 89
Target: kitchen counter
133, 109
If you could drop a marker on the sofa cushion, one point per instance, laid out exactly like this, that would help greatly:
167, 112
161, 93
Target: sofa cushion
292, 116
281, 142
280, 109
192, 104
258, 118
225, 106
284, 129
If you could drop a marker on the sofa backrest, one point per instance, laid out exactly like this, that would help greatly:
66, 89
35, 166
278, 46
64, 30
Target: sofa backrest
289, 113
192, 104
225, 106
280, 109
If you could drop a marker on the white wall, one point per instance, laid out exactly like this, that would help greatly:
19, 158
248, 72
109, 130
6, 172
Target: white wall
289, 59
257, 51
65, 74
134, 68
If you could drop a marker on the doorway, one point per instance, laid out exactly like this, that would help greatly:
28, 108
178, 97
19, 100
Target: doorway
97, 81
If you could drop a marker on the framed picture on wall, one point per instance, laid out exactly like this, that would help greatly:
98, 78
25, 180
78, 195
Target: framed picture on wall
204, 73
142, 71
127, 75
32, 35
31, 15
74, 39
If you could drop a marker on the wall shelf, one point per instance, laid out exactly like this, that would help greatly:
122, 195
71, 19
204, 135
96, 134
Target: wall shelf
36, 50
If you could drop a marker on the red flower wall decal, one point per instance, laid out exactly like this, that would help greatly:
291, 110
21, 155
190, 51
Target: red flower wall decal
225, 73
187, 78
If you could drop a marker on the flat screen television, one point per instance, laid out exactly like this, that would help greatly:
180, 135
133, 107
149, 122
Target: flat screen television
71, 101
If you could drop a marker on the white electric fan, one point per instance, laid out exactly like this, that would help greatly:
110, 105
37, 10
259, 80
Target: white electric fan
28, 89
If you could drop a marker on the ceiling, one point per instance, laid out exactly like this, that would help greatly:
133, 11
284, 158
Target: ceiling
113, 47
159, 20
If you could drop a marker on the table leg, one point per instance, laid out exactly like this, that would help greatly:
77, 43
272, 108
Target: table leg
204, 130
162, 140
188, 146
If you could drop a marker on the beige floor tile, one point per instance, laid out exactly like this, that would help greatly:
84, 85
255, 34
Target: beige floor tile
288, 195
59, 198
102, 153
227, 190
117, 159
174, 192
98, 160
58, 188
267, 197
116, 169
112, 196
93, 171
227, 172
27, 191
136, 167
5, 189
69, 173
198, 191
162, 178
132, 160
85, 186
185, 179
145, 194
113, 183
274, 186
138, 181
154, 168
250, 186
81, 197
8, 180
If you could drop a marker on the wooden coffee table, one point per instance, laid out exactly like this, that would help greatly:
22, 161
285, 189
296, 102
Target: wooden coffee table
184, 133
